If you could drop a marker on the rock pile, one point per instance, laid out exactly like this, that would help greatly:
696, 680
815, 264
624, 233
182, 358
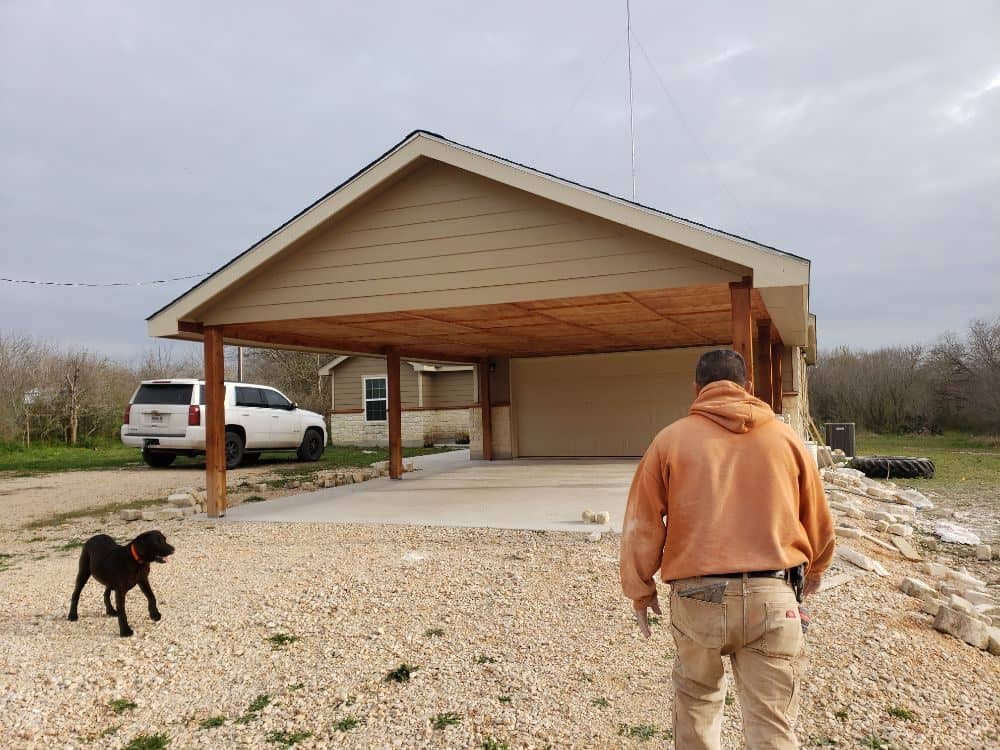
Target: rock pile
959, 602
589, 516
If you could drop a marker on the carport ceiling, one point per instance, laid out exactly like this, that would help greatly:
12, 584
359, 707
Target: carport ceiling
625, 321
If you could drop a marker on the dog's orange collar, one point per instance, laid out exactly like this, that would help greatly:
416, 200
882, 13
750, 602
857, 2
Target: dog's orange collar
135, 555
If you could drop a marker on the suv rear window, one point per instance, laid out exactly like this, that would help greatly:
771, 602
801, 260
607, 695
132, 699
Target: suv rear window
163, 393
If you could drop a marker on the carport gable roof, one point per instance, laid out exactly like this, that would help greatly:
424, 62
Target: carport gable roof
771, 267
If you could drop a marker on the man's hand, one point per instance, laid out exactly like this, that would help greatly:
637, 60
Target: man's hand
642, 619
811, 586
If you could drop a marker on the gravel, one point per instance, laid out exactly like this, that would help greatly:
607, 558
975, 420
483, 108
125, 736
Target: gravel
535, 639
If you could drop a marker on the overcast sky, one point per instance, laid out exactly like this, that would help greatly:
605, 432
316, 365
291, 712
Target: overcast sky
158, 139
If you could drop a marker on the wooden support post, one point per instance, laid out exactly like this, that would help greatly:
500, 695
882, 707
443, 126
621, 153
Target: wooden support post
215, 422
486, 408
777, 355
739, 293
762, 381
395, 415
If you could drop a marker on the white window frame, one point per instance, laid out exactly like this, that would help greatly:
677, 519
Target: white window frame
365, 399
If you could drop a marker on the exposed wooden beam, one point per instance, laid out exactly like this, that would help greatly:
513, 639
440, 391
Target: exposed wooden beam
215, 423
395, 415
486, 408
777, 355
742, 320
762, 381
664, 316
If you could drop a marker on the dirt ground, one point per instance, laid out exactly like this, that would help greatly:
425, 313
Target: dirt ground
518, 636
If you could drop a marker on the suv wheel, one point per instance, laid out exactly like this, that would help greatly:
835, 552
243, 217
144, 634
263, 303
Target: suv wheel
234, 449
312, 446
158, 460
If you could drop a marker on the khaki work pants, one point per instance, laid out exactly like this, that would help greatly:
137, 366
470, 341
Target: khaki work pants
757, 625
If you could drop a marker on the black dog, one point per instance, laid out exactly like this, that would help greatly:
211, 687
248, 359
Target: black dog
120, 569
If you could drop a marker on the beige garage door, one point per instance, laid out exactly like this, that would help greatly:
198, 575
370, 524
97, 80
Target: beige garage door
599, 404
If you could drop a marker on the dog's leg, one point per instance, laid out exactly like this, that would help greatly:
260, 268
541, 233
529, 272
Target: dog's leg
123, 629
82, 575
154, 613
107, 602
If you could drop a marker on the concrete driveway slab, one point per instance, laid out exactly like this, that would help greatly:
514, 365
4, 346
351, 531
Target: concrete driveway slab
450, 490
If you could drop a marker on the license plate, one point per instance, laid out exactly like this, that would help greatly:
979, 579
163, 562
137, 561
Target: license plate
157, 418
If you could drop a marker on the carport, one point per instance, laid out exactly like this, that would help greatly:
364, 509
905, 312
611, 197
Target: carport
583, 312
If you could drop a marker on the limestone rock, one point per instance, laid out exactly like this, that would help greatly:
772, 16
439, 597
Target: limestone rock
913, 498
262, 487
961, 605
932, 606
181, 500
602, 517
906, 549
916, 588
879, 493
993, 642
130, 514
984, 552
978, 597
307, 486
900, 529
848, 533
588, 516
962, 626
936, 570
594, 536
862, 561
881, 526
962, 578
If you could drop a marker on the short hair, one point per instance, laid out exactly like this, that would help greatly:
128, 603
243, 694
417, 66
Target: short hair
720, 364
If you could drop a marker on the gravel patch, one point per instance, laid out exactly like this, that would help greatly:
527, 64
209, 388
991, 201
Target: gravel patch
276, 633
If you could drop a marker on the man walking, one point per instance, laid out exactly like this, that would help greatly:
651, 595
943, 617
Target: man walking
726, 502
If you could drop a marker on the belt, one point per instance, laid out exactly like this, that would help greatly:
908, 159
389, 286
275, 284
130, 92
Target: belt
754, 574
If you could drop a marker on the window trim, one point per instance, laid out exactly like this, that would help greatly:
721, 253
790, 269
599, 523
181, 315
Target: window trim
365, 399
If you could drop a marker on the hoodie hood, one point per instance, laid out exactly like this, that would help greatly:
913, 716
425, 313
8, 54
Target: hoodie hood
730, 406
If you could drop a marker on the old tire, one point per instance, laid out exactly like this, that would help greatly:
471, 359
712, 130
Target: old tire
158, 460
312, 446
894, 467
234, 449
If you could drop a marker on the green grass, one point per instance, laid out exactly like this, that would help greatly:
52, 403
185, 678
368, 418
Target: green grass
492, 743
445, 720
505, 699
901, 713
257, 705
280, 640
960, 460
121, 705
600, 702
484, 659
212, 722
433, 632
347, 724
644, 732
287, 739
148, 742
874, 742
111, 454
56, 519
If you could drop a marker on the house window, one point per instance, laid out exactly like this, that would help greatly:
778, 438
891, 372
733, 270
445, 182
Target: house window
376, 399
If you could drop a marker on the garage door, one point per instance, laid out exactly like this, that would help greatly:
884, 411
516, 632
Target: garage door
599, 404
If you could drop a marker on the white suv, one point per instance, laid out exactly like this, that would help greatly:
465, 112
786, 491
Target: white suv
165, 419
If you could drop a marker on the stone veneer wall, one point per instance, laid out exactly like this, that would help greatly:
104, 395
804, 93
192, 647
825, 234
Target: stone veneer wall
797, 406
420, 427
501, 432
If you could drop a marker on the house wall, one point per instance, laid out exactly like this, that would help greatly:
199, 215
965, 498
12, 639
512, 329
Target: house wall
501, 427
448, 389
795, 389
420, 427
443, 237
347, 382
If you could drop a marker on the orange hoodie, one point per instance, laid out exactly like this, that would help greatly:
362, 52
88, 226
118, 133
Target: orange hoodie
727, 489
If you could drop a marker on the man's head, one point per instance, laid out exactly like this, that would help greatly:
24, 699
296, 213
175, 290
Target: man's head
720, 364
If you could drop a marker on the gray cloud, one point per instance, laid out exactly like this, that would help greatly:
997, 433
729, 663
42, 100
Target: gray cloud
147, 140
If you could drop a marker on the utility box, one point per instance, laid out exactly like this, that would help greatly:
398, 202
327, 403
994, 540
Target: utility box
841, 435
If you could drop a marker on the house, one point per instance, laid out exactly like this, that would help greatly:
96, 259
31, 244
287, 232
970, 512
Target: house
435, 399
582, 312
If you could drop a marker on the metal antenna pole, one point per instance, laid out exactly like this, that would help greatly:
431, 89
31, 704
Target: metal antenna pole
631, 111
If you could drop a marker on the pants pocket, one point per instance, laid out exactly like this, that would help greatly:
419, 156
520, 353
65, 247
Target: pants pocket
702, 622
782, 630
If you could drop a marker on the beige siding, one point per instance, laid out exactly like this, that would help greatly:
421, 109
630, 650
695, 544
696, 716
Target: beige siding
599, 404
443, 237
349, 376
448, 389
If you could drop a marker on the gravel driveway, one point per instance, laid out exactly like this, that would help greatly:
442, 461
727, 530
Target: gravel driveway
522, 636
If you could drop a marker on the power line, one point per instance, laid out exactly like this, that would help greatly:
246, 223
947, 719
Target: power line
691, 134
103, 284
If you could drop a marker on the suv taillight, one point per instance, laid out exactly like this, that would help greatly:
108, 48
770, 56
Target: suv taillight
128, 408
194, 415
